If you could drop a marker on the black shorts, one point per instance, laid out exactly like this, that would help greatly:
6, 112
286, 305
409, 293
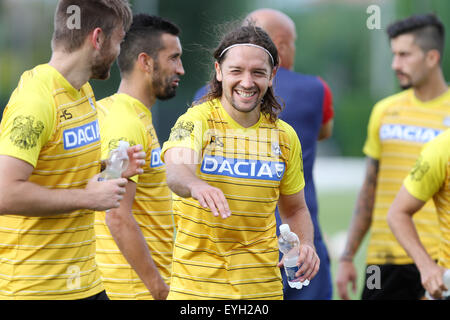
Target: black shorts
397, 282
99, 296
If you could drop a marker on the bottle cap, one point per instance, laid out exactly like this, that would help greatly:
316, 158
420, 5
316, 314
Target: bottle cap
284, 229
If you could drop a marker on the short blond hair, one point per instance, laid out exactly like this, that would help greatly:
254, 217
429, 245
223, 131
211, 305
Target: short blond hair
104, 14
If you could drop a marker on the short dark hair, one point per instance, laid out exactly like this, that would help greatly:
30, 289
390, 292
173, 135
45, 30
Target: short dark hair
144, 35
428, 31
246, 34
104, 14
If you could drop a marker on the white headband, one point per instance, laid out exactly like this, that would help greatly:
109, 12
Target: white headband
250, 45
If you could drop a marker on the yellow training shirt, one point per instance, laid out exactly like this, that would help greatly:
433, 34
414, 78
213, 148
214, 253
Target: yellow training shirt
233, 258
398, 128
430, 178
53, 127
123, 117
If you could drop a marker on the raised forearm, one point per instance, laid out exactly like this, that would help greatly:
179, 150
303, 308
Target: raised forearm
29, 199
181, 165
20, 196
180, 179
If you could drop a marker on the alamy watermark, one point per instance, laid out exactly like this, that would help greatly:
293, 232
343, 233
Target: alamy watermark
74, 279
373, 277
373, 22
74, 19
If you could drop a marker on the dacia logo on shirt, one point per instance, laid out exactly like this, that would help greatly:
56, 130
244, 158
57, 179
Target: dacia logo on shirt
155, 160
243, 168
408, 133
81, 136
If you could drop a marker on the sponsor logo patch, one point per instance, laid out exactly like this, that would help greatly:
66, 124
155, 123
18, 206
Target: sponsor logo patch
243, 168
156, 158
408, 133
81, 136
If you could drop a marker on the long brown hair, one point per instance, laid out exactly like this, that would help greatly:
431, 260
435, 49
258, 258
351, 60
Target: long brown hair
257, 36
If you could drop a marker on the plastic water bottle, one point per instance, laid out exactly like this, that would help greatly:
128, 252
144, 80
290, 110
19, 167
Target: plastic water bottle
446, 280
116, 163
289, 244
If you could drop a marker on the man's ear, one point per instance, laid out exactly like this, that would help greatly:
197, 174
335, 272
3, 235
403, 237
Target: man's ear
433, 58
97, 38
145, 62
219, 76
272, 76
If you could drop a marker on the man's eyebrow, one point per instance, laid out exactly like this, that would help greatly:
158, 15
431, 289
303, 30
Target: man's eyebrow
239, 67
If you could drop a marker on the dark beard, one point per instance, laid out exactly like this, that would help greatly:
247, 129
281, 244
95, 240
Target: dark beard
102, 66
166, 91
163, 88
100, 72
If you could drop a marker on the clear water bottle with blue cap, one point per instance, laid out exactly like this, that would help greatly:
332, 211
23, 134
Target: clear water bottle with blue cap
289, 245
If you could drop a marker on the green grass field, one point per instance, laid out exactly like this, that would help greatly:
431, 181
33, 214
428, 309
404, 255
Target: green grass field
335, 212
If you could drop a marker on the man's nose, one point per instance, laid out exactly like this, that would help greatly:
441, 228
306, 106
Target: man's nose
395, 65
247, 80
180, 69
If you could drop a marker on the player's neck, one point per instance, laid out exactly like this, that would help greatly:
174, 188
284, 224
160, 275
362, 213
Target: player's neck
72, 67
434, 87
138, 90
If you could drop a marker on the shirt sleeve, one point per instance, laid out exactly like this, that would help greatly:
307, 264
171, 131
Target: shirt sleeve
293, 179
328, 111
372, 145
428, 174
188, 132
27, 125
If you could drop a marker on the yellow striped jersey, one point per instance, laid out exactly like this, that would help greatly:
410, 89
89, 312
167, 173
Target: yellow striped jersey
430, 178
235, 258
54, 127
398, 128
123, 117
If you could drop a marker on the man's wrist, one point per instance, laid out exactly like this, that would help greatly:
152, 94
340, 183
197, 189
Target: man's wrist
309, 244
84, 199
346, 258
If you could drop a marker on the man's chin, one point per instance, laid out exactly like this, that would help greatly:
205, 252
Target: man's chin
244, 109
405, 86
404, 82
166, 95
101, 76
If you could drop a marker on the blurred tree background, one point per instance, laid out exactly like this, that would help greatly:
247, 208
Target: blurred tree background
333, 42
